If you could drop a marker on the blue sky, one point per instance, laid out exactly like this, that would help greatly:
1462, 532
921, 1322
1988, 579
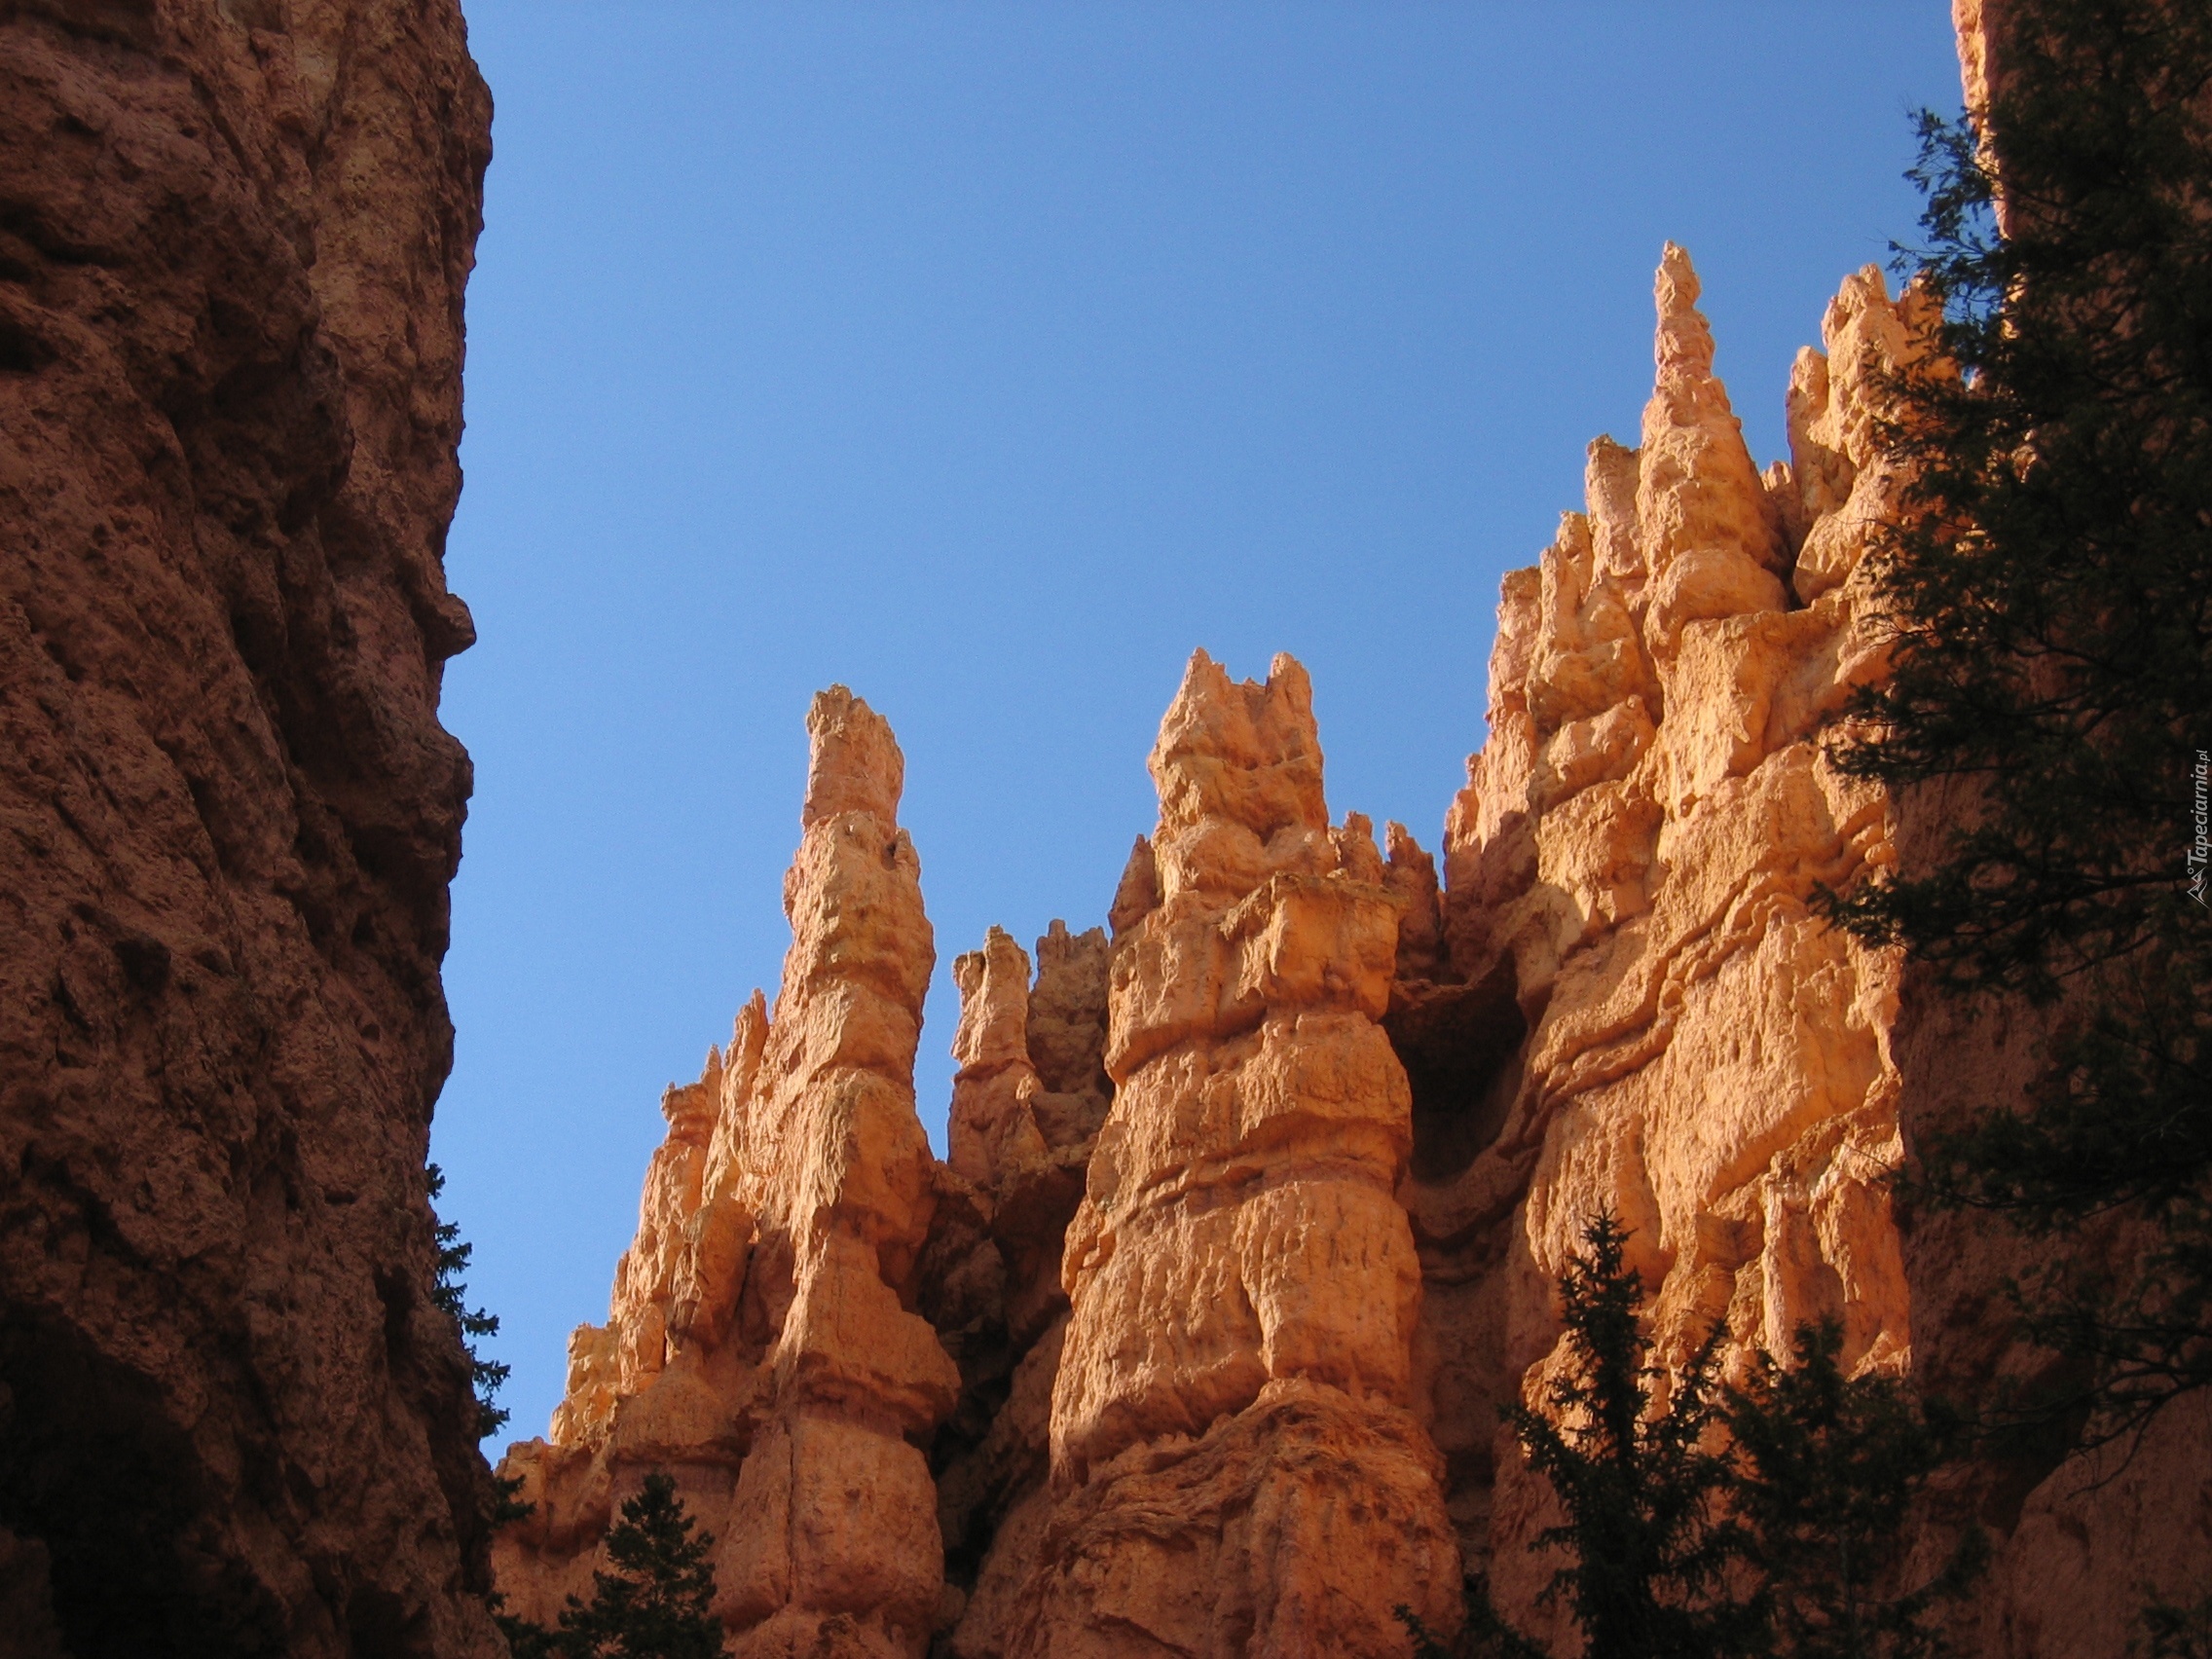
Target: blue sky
987, 358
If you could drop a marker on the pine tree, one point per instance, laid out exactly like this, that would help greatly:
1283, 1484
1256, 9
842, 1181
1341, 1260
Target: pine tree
2178, 1631
655, 1606
451, 1293
1826, 1469
1484, 1632
1653, 1554
2050, 591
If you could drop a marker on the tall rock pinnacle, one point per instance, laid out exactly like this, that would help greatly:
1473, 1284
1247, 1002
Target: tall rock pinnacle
1236, 1366
757, 1345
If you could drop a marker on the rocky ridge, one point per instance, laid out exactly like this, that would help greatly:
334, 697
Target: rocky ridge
233, 239
1635, 856
760, 1346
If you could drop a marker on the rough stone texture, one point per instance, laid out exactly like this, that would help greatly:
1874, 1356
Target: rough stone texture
760, 1346
232, 244
1647, 1015
1233, 1465
1027, 1105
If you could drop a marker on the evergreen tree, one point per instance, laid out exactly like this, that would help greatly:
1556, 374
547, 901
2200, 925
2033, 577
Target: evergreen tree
1655, 1555
1827, 1467
1484, 1632
485, 1376
654, 1604
2050, 594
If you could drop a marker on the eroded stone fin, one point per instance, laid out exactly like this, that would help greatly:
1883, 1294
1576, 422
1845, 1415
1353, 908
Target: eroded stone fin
1243, 1281
1027, 1104
1138, 894
1410, 878
1661, 1025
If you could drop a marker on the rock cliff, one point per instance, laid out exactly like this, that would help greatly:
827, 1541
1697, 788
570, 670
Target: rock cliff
1670, 1032
233, 244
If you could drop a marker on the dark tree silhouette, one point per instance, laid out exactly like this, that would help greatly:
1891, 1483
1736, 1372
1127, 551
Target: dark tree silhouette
1767, 1519
656, 1604
2051, 595
2173, 1630
451, 1293
1652, 1550
1826, 1469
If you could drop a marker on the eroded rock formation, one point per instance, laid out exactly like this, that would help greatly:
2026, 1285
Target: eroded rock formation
759, 1347
232, 244
1634, 857
1027, 1105
1253, 1214
1235, 1465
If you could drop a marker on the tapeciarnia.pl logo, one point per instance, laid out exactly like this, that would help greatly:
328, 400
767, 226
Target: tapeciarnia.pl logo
2199, 850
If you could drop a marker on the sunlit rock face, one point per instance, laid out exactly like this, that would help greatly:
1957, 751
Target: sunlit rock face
231, 259
1235, 1466
760, 1346
1027, 1105
1665, 1030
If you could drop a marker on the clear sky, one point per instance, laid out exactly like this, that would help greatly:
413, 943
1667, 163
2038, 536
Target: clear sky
987, 358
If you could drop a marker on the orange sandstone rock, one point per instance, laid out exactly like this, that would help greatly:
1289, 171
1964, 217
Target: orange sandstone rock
233, 1417
1633, 863
1235, 1466
1026, 1108
757, 1346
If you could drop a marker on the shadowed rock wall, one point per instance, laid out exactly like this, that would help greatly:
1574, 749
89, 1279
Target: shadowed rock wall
233, 244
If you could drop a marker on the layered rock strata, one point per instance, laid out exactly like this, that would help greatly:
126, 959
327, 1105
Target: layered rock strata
1027, 1105
232, 244
1634, 862
760, 1345
1235, 1466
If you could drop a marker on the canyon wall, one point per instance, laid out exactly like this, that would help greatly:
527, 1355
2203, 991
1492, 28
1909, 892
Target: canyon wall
1633, 862
233, 244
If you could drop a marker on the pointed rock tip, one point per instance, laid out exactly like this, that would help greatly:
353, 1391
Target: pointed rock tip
1682, 345
1676, 282
854, 763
